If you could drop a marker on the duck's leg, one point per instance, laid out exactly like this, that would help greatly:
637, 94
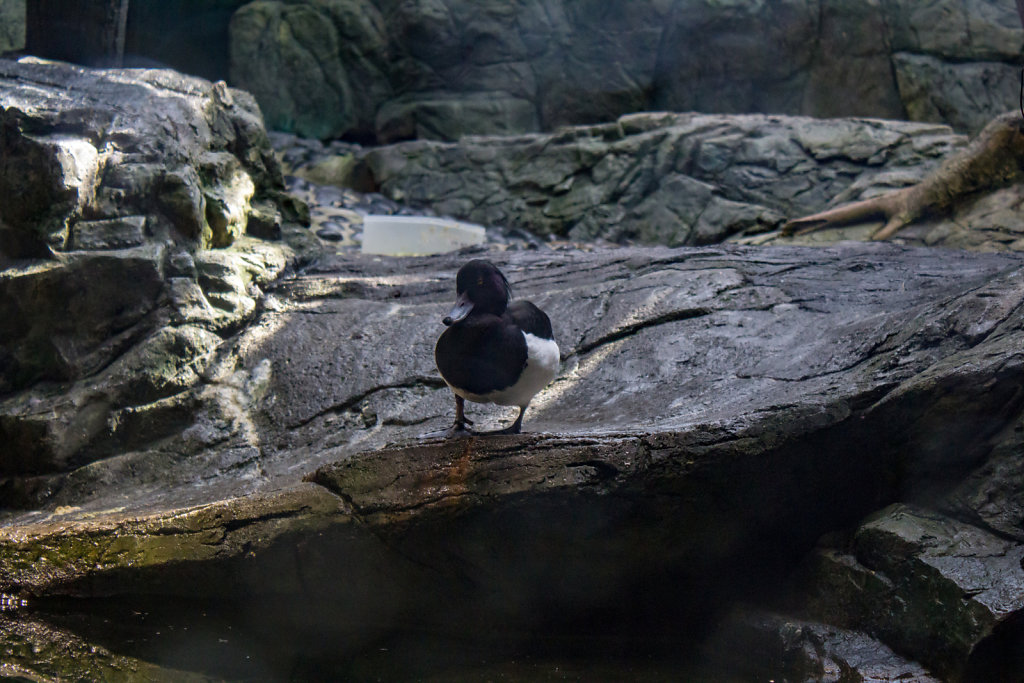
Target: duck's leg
460, 413
514, 428
458, 428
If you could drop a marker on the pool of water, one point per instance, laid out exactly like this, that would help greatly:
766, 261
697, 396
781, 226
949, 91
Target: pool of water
181, 640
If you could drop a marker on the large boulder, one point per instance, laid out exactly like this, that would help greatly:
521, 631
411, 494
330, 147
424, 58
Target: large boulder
214, 437
717, 410
317, 68
942, 590
106, 158
131, 241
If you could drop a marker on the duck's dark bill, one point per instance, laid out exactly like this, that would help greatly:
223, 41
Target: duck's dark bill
461, 309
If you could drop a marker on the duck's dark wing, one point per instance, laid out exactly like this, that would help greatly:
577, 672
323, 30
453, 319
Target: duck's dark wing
530, 319
480, 355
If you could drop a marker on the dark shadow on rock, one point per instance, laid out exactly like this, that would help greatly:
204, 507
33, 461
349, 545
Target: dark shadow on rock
1000, 657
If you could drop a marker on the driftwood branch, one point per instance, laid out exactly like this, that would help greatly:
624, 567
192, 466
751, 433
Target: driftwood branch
994, 159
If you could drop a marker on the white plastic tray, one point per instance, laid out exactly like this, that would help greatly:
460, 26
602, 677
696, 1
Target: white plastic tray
417, 235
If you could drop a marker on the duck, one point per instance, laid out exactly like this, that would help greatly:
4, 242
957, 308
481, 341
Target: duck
493, 351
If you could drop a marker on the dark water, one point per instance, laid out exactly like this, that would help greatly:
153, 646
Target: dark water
272, 642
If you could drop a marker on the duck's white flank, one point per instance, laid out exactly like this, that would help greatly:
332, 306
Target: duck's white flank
541, 367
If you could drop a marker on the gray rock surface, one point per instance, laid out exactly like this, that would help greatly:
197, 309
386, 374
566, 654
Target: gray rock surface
930, 586
672, 179
118, 185
319, 68
200, 424
99, 143
443, 69
757, 645
717, 410
966, 95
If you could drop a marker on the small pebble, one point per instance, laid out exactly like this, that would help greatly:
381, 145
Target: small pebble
331, 234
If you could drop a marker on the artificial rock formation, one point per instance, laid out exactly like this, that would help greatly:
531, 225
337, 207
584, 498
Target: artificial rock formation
717, 411
810, 430
702, 178
443, 69
989, 164
671, 179
135, 203
386, 70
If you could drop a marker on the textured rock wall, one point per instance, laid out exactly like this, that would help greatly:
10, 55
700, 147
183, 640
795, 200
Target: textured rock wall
446, 68
675, 179
384, 69
12, 25
659, 178
135, 203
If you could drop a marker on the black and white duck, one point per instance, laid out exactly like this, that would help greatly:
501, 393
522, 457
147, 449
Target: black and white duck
493, 351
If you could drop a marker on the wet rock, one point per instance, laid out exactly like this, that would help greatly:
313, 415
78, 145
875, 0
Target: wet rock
928, 585
890, 341
717, 411
765, 646
703, 391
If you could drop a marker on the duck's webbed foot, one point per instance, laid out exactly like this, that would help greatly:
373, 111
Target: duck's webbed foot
458, 428
514, 428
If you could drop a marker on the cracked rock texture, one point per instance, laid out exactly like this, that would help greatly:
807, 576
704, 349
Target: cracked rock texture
671, 179
135, 203
443, 69
678, 179
829, 436
717, 410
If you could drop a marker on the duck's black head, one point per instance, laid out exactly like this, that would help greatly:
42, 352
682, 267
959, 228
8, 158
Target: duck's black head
481, 288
